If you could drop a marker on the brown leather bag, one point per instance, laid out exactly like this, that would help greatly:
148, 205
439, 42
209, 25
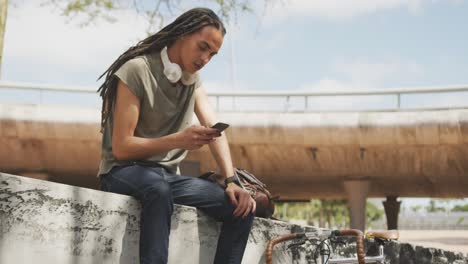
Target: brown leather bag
257, 189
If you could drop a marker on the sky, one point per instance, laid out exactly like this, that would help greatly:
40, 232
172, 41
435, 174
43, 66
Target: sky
290, 45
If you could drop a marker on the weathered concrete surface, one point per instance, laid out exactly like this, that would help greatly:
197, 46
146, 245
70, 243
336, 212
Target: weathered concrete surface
403, 253
299, 155
44, 222
452, 240
47, 223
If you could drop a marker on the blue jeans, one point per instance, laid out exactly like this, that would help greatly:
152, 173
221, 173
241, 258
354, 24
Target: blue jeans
157, 190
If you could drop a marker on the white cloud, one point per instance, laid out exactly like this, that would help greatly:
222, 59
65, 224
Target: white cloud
374, 74
211, 86
327, 84
361, 75
215, 86
39, 37
338, 9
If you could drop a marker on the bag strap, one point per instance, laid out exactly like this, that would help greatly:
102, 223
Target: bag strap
249, 177
244, 175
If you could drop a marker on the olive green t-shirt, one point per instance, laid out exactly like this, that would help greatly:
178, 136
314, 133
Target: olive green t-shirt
164, 109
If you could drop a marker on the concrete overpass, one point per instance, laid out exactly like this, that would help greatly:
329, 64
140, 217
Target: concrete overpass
299, 155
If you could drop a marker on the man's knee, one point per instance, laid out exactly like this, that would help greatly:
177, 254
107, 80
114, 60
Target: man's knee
158, 191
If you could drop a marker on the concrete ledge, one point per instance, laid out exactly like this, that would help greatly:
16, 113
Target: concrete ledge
408, 253
46, 223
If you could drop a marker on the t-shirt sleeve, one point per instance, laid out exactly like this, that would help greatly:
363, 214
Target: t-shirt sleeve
132, 74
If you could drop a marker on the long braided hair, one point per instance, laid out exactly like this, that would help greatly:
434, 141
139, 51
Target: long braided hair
187, 23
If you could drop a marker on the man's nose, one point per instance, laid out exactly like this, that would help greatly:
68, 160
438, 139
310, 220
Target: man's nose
205, 59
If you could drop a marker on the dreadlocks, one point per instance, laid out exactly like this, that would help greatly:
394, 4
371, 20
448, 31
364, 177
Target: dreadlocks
187, 23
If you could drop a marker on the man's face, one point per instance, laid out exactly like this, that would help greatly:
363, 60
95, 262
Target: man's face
198, 48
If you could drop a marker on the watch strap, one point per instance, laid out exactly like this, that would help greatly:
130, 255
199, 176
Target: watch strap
233, 179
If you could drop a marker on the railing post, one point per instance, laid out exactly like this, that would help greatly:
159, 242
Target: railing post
399, 101
233, 103
306, 103
287, 104
40, 97
217, 103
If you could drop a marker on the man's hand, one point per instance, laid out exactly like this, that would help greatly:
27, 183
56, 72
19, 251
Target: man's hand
241, 199
195, 137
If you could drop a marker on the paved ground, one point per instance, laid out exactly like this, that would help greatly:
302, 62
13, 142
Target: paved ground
453, 240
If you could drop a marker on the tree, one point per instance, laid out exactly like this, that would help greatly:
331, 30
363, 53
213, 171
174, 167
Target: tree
433, 208
324, 213
416, 208
460, 208
154, 11
89, 11
373, 213
3, 15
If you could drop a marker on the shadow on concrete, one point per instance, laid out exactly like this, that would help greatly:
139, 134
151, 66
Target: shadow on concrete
205, 232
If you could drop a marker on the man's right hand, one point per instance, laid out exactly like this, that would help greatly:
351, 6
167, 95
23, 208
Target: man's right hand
241, 199
195, 137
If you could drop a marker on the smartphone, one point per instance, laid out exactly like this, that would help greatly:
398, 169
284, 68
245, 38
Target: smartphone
220, 126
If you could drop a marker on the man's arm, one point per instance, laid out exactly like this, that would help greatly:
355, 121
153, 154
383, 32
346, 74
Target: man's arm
219, 148
221, 153
126, 146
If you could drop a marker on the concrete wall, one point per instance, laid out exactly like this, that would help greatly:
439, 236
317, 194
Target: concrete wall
46, 223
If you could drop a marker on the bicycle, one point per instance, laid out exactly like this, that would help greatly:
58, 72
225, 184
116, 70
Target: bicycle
322, 240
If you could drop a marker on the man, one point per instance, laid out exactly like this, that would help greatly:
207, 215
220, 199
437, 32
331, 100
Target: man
149, 96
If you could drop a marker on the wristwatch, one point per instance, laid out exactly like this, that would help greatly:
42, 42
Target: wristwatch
234, 178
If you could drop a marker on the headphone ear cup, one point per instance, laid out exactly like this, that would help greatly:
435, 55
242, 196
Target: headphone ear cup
173, 72
188, 78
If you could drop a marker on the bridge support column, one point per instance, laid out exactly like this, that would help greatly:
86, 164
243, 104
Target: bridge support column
356, 192
392, 209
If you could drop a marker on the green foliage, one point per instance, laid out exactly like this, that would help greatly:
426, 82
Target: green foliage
3, 16
90, 11
416, 208
460, 208
434, 207
231, 7
324, 213
373, 214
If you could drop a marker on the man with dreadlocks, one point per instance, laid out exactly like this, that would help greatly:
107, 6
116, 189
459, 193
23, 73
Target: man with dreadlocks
149, 96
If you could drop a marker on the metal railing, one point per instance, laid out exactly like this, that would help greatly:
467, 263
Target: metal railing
304, 96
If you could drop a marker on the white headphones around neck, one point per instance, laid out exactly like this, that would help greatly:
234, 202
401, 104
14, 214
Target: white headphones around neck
173, 71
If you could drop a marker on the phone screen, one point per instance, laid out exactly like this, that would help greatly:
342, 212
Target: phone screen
220, 126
